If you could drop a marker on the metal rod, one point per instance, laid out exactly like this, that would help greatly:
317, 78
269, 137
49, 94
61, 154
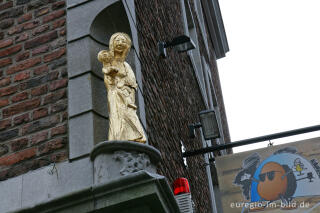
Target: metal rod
251, 141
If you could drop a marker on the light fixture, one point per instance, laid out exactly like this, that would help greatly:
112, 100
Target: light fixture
181, 191
181, 44
181, 186
209, 124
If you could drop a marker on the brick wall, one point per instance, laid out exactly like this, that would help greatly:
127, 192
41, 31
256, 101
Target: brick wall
215, 76
33, 81
172, 96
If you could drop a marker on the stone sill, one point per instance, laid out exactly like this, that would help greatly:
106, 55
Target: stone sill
138, 192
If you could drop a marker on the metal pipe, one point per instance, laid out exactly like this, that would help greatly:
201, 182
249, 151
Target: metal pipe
251, 141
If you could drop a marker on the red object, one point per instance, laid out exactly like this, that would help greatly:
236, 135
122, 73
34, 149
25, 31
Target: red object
181, 186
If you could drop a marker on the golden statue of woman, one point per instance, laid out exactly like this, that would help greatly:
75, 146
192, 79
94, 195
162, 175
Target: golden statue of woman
121, 85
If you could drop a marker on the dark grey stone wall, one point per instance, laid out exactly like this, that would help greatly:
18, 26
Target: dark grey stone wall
90, 26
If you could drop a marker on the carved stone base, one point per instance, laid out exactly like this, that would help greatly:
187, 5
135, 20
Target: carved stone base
114, 159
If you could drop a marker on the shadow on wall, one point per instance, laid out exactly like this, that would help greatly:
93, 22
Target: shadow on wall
111, 20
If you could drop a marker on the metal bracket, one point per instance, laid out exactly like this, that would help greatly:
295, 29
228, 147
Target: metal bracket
192, 127
184, 159
251, 140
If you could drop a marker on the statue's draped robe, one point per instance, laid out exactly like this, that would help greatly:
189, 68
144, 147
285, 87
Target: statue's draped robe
124, 123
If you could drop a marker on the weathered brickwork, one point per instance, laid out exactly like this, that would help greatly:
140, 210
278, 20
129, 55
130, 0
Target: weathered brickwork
172, 95
33, 85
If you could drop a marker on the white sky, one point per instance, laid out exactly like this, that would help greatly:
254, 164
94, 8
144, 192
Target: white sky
271, 76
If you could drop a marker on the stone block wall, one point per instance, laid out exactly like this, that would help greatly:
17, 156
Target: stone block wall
33, 82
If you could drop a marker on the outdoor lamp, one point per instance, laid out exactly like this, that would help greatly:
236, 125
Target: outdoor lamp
181, 186
181, 191
209, 124
181, 44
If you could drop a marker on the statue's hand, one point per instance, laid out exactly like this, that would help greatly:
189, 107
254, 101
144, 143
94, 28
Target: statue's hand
111, 70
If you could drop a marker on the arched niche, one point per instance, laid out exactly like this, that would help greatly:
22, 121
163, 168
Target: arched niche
111, 20
90, 25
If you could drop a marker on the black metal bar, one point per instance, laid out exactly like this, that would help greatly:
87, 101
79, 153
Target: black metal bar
251, 141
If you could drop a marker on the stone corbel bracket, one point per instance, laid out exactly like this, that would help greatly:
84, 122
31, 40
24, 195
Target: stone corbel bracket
114, 159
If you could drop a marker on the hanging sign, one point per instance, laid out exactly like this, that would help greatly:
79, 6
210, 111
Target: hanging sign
275, 179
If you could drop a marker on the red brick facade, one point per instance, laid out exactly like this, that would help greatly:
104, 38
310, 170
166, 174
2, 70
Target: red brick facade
33, 85
172, 95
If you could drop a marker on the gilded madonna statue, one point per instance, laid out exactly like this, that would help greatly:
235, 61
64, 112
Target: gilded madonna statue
121, 85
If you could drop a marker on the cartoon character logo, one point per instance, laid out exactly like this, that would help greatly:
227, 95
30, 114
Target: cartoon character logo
276, 182
278, 177
298, 166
